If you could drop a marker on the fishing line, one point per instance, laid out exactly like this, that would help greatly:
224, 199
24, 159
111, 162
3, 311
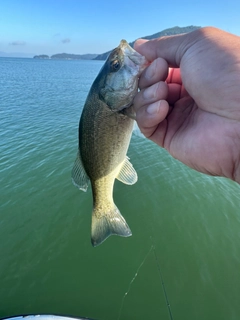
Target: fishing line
131, 282
162, 281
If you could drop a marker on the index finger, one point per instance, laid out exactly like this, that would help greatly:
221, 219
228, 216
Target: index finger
170, 48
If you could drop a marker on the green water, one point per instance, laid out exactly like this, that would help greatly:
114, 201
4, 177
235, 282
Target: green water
183, 260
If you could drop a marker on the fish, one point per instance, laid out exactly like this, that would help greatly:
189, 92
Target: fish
105, 130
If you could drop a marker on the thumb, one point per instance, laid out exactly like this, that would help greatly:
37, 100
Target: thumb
170, 48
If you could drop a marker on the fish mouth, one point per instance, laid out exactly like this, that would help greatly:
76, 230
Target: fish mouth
136, 58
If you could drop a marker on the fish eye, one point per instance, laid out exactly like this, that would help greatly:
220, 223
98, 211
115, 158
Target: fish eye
115, 65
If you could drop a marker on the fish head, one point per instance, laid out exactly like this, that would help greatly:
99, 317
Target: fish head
120, 75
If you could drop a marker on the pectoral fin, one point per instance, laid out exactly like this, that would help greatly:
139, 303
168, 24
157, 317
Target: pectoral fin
129, 112
127, 174
79, 176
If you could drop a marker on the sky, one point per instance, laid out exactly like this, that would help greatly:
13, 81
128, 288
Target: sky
31, 27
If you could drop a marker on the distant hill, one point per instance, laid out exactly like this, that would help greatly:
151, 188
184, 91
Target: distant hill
68, 56
166, 32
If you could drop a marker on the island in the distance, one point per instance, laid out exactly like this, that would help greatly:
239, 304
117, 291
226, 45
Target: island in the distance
41, 56
103, 56
68, 56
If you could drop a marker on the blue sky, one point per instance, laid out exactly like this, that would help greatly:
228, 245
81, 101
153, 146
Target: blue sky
96, 26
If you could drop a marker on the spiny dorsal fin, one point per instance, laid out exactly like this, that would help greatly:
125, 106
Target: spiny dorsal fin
79, 176
127, 174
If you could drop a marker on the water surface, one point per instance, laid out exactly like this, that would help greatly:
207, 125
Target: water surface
183, 260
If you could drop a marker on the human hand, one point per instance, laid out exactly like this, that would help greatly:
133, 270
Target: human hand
189, 101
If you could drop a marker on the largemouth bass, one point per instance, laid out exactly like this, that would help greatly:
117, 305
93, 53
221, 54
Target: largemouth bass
104, 136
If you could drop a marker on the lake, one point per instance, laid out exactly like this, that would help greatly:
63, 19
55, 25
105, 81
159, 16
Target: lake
183, 260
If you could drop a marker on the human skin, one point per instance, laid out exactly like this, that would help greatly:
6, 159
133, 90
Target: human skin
189, 99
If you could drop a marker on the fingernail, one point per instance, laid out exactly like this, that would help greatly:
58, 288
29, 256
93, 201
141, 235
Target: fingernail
150, 71
153, 108
150, 92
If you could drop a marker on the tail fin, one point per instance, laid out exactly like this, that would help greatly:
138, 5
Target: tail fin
107, 224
